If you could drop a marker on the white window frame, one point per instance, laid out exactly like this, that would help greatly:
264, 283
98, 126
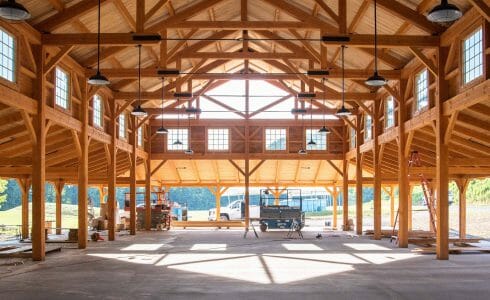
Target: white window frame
319, 138
62, 92
389, 112
8, 48
472, 56
122, 132
422, 90
275, 132
218, 139
98, 111
177, 133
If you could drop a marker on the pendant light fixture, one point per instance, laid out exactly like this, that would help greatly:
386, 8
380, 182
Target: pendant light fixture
177, 141
162, 130
376, 79
98, 78
324, 129
311, 142
444, 13
302, 150
343, 111
13, 11
138, 111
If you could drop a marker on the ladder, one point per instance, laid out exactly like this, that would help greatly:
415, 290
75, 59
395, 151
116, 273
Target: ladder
428, 195
429, 200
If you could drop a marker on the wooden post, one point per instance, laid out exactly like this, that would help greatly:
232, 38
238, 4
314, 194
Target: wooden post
132, 178
111, 173
345, 183
59, 190
377, 170
24, 186
358, 177
392, 205
217, 196
442, 161
83, 172
402, 172
462, 184
247, 194
39, 160
410, 207
335, 194
148, 182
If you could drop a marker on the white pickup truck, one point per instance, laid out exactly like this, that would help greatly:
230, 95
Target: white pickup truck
234, 211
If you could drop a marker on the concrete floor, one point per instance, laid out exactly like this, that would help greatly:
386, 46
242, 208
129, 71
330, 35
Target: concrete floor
210, 264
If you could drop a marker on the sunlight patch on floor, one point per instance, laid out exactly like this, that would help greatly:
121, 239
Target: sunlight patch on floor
338, 258
383, 258
366, 247
302, 247
142, 247
208, 247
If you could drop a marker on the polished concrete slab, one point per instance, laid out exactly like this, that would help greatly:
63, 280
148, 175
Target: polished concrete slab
212, 264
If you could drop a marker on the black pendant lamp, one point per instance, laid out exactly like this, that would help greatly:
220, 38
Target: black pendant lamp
138, 111
13, 11
324, 129
343, 111
444, 13
177, 142
98, 78
311, 142
162, 130
376, 79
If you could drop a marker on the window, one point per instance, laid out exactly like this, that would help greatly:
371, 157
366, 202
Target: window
98, 114
218, 139
7, 51
473, 56
62, 88
140, 136
352, 138
175, 135
318, 138
389, 112
422, 90
122, 126
275, 139
368, 127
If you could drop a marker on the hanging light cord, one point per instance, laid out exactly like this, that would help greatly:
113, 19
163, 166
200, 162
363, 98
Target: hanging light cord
139, 74
98, 39
163, 96
343, 77
375, 39
323, 102
311, 119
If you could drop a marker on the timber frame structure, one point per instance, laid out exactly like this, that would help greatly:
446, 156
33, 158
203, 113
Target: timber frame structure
214, 41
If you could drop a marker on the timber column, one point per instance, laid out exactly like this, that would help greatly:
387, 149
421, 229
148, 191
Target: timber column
358, 176
402, 171
345, 183
377, 170
462, 186
59, 190
39, 160
83, 173
132, 178
148, 180
442, 161
111, 173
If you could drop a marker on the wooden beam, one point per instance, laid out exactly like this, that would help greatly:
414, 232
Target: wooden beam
359, 179
154, 9
64, 51
256, 167
388, 41
345, 179
402, 173
140, 15
335, 167
83, 172
111, 173
425, 60
410, 16
114, 39
133, 139
67, 15
237, 167
482, 8
377, 213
